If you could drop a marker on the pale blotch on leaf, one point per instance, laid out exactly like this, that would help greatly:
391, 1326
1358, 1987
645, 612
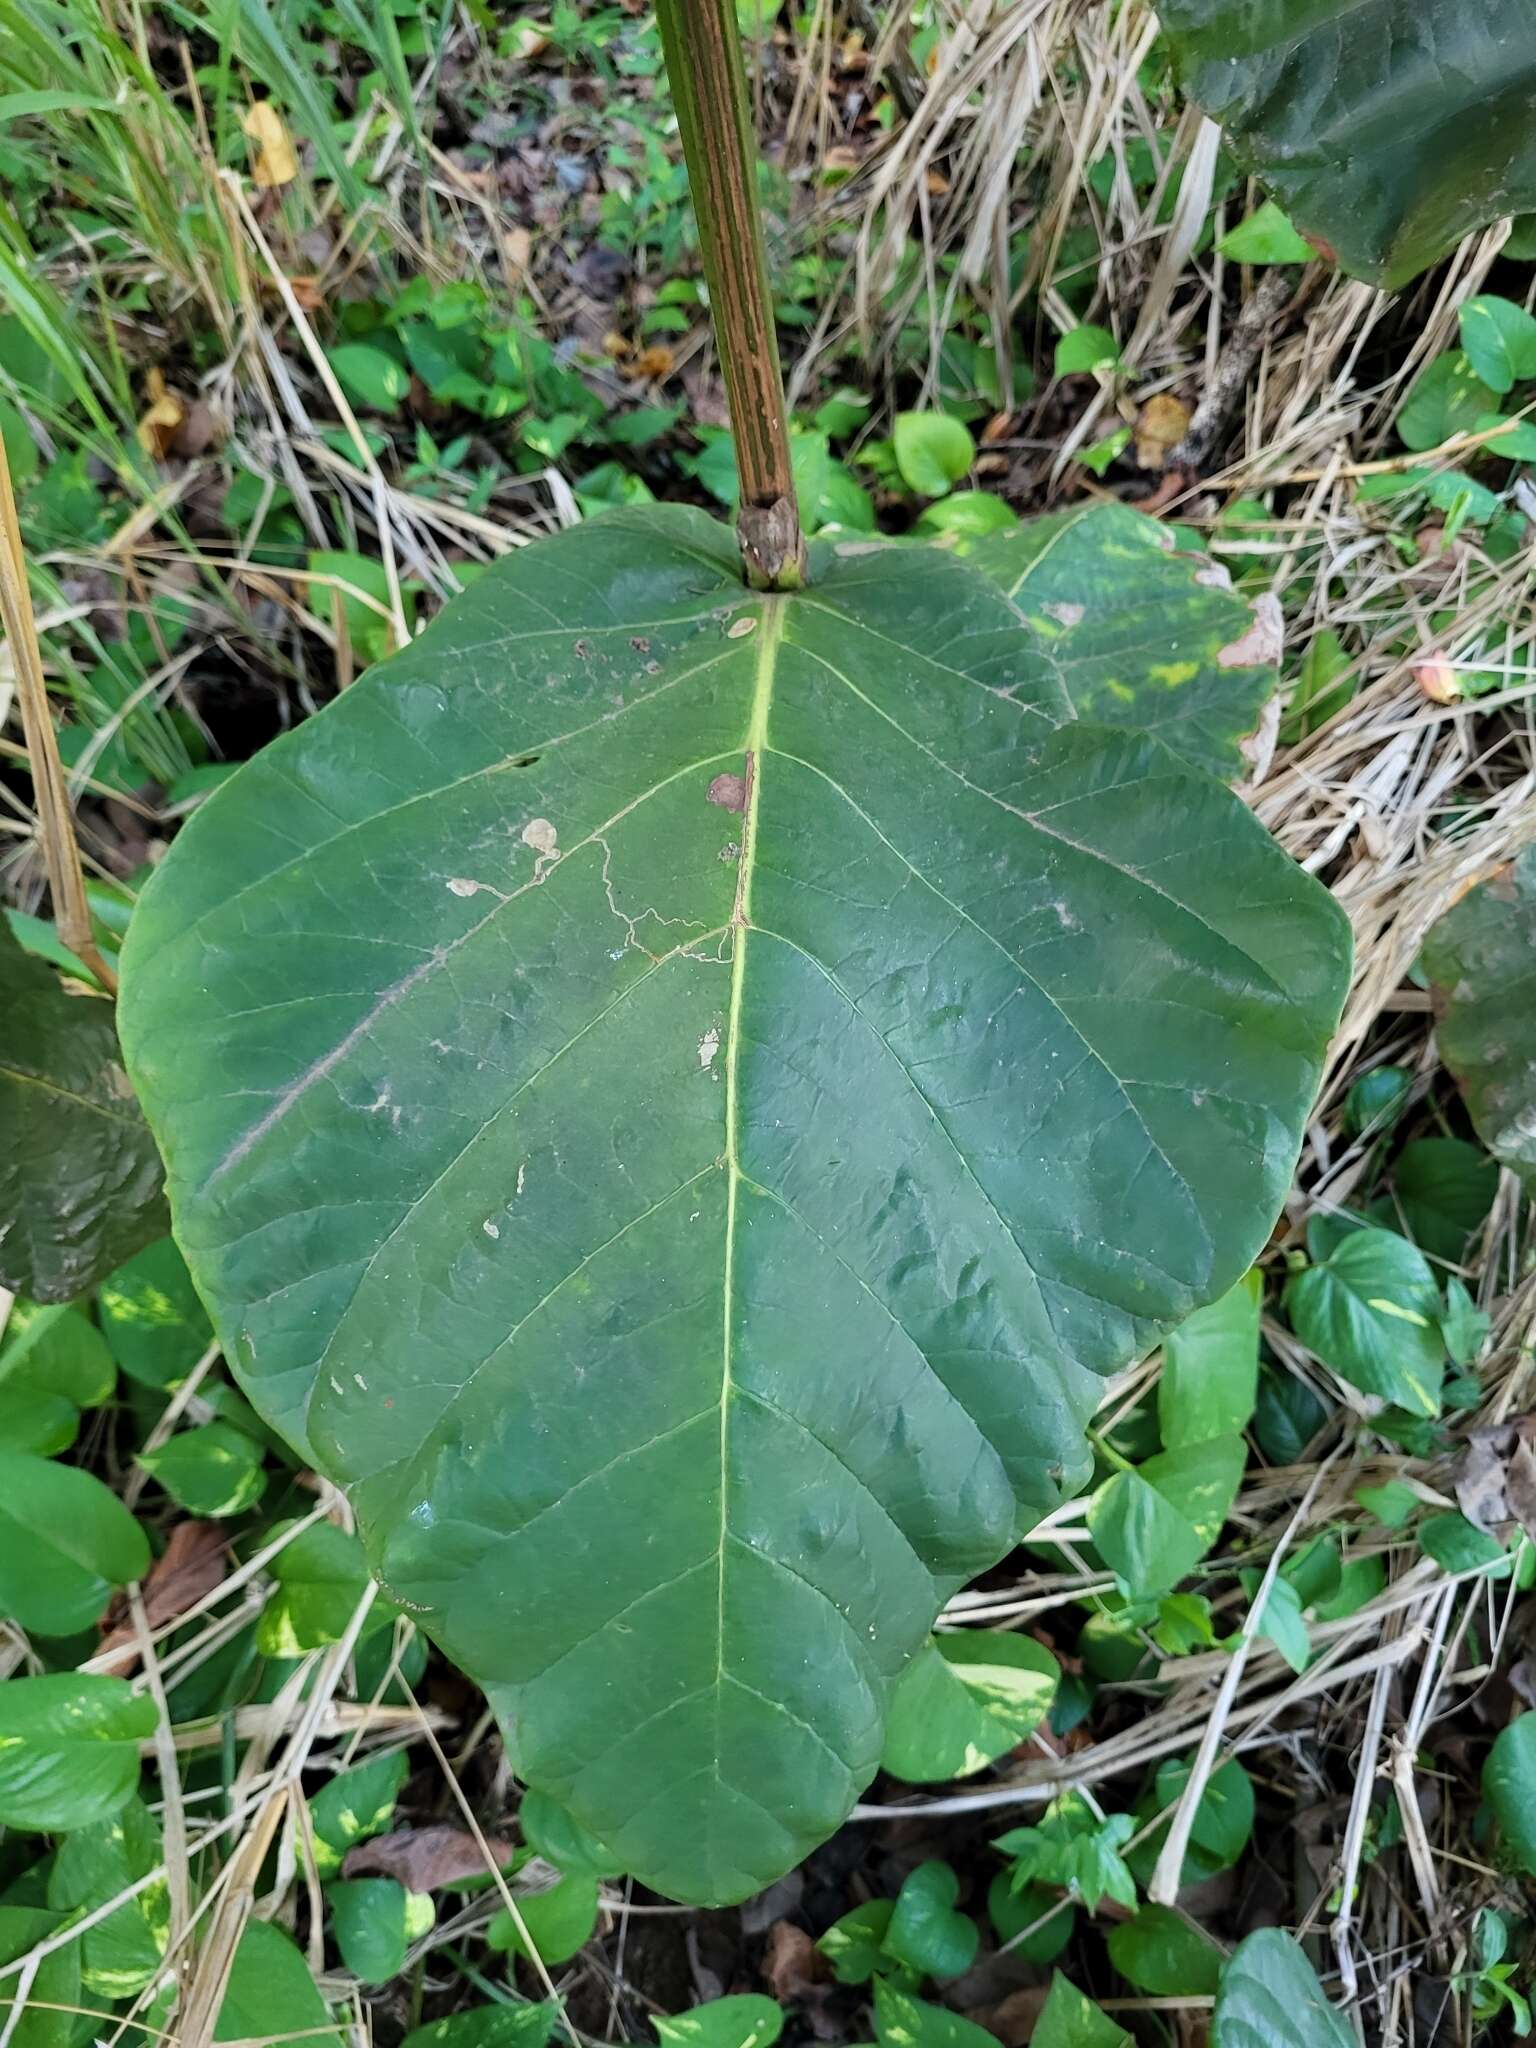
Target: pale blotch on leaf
542, 837
1263, 643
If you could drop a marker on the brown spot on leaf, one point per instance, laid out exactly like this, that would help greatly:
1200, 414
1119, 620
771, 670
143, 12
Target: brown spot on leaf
729, 792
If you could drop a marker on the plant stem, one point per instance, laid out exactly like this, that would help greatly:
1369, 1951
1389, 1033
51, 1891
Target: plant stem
56, 828
709, 88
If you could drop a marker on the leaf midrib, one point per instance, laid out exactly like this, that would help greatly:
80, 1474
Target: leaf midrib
771, 633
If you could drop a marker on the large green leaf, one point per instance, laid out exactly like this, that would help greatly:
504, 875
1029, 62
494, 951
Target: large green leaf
1388, 129
1140, 635
1481, 958
698, 1261
79, 1174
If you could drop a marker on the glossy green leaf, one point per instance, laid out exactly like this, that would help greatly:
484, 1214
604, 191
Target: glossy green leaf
1447, 398
370, 376
561, 1839
746, 2021
1210, 1377
1371, 1311
1388, 129
1201, 1480
79, 1172
1015, 1911
1499, 338
1509, 1786
53, 1363
1281, 1620
1164, 1955
152, 1319
31, 1419
1223, 1820
353, 1806
1139, 634
1481, 958
126, 1950
59, 1349
1286, 1416
964, 1701
69, 1749
46, 2019
271, 1995
1071, 2020
375, 1920
925, 1931
902, 2021
1142, 1536
211, 1470
968, 513
65, 1541
321, 1575
619, 1134
1442, 1190
1266, 236
1456, 1545
1086, 348
488, 2026
1269, 1997
933, 451
557, 1922
855, 1944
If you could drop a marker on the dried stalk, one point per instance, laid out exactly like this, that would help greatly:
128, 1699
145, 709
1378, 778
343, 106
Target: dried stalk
709, 85
55, 822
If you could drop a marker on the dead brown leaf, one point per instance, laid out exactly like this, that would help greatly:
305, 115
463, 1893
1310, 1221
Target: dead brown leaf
654, 362
792, 1963
423, 1858
1496, 1484
1014, 2019
193, 1563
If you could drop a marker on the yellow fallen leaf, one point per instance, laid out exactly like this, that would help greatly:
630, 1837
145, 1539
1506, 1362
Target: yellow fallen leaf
157, 429
1160, 426
277, 161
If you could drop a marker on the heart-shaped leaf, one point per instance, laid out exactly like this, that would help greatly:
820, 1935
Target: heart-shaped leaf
1371, 1310
270, 1994
65, 1541
92, 1865
675, 1097
925, 1931
69, 1749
